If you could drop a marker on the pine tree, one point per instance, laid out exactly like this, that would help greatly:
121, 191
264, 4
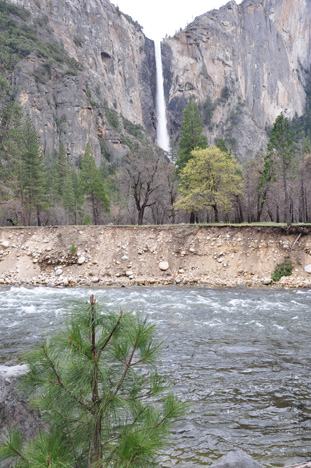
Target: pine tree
72, 196
10, 136
279, 159
96, 384
190, 136
222, 146
92, 185
30, 176
61, 170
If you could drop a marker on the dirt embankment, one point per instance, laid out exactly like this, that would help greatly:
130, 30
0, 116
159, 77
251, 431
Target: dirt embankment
183, 254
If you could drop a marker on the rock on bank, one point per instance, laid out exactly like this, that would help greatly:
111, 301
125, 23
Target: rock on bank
128, 255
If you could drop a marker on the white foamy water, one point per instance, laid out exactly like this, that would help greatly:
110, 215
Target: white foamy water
163, 139
240, 357
13, 371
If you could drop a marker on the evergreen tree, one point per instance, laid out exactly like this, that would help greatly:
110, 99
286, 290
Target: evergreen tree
222, 146
22, 168
31, 186
279, 159
92, 185
10, 136
304, 178
96, 384
72, 196
190, 136
61, 170
210, 179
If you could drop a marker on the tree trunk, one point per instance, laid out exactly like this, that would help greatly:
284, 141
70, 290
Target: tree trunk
95, 394
141, 216
215, 213
302, 202
241, 216
173, 216
95, 212
270, 215
286, 197
38, 216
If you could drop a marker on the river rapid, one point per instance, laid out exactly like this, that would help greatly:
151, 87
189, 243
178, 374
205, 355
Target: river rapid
241, 357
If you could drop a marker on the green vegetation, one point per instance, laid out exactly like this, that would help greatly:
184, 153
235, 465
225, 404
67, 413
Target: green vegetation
279, 160
131, 144
284, 268
97, 386
210, 179
112, 116
207, 110
190, 136
18, 39
92, 186
133, 129
73, 249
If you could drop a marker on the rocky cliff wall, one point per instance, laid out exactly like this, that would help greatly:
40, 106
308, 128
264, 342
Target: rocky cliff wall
118, 74
181, 254
247, 62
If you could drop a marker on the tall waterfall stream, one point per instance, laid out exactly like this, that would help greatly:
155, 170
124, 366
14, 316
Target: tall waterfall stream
163, 139
242, 358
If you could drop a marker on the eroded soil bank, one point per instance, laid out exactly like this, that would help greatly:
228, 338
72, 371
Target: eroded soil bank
131, 255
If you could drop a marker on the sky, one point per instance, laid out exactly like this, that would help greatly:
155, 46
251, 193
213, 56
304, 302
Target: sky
161, 17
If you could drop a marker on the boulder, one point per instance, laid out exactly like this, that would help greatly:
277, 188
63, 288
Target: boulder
236, 459
308, 268
14, 410
81, 260
164, 266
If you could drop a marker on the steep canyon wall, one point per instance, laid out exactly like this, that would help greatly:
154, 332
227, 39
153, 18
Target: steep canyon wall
117, 76
244, 64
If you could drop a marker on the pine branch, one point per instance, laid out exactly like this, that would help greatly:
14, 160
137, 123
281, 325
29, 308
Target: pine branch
16, 451
110, 336
60, 383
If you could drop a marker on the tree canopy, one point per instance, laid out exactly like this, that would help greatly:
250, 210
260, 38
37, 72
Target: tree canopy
92, 185
210, 179
279, 159
190, 135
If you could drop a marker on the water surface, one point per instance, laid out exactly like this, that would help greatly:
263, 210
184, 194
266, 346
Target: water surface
241, 357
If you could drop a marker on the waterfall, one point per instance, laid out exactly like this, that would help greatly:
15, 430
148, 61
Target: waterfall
163, 139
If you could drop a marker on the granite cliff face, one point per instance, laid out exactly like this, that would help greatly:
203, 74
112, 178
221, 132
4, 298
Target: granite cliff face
117, 77
244, 64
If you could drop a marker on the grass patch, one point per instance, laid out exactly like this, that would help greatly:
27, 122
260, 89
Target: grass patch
284, 268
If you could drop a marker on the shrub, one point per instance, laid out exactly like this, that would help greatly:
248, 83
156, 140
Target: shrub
73, 249
18, 39
284, 268
96, 384
112, 116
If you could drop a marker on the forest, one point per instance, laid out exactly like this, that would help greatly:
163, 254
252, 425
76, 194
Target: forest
196, 182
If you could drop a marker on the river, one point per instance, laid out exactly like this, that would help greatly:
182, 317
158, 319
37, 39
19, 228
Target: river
241, 357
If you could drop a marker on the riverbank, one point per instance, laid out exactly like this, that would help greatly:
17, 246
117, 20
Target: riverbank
154, 255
